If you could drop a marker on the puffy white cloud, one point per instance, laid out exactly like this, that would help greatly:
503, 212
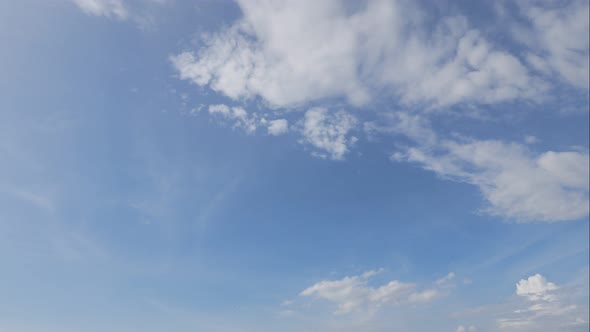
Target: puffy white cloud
108, 8
292, 52
535, 287
352, 294
328, 132
278, 127
551, 186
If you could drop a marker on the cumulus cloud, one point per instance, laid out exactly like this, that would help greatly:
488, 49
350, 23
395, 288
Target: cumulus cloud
517, 183
108, 8
290, 54
353, 294
535, 288
328, 132
293, 52
547, 307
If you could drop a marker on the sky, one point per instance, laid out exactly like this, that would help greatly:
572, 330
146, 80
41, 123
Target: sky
297, 166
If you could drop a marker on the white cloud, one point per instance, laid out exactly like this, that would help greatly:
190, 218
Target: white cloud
558, 38
144, 13
235, 115
329, 132
517, 183
352, 294
424, 296
444, 280
108, 8
278, 127
293, 52
535, 287
462, 328
547, 307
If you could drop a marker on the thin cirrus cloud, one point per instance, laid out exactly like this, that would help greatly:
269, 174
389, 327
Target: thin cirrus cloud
140, 12
107, 8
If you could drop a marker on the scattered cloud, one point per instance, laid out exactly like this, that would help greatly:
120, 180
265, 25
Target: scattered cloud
236, 116
329, 132
354, 294
546, 306
516, 182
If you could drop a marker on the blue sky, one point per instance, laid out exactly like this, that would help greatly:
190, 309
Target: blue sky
326, 166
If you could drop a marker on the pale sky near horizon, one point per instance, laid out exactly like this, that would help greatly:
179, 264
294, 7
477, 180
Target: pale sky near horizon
297, 166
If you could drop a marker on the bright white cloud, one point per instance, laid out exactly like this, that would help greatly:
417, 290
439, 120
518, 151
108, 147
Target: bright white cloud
352, 294
551, 186
329, 132
108, 8
292, 52
278, 127
535, 287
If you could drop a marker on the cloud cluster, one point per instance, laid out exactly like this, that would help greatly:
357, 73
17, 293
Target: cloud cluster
353, 294
293, 52
547, 308
296, 53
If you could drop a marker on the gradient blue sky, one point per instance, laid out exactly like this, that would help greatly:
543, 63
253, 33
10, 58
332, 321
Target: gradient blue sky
171, 165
